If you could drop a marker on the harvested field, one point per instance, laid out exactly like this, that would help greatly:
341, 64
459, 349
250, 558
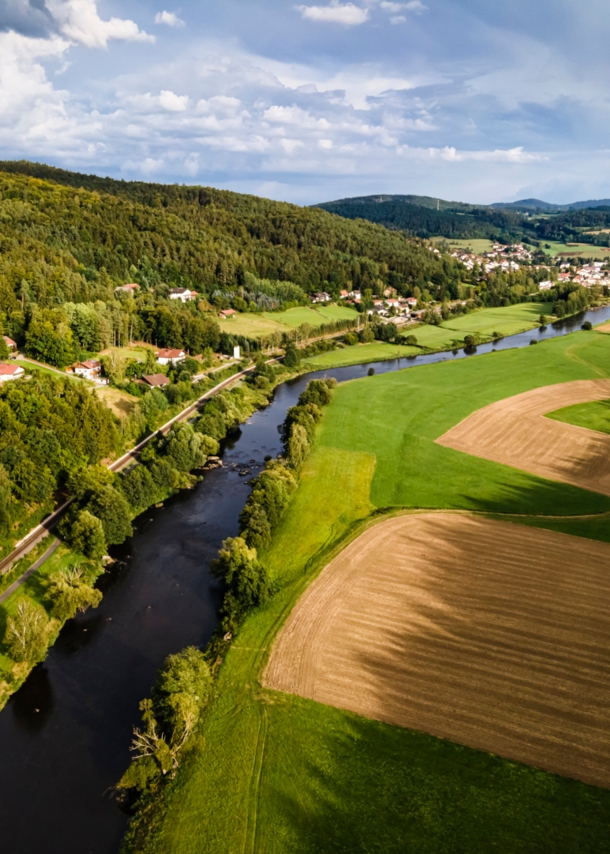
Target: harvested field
490, 634
515, 432
605, 327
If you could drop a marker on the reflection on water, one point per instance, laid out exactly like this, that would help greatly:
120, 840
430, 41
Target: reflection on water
64, 736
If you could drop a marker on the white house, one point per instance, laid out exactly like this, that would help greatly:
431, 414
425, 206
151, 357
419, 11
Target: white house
170, 357
182, 294
546, 286
10, 372
90, 370
322, 296
411, 301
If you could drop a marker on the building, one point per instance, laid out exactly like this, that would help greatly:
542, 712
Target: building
170, 357
546, 286
90, 370
344, 294
182, 294
322, 296
10, 372
128, 289
411, 301
156, 380
226, 313
12, 345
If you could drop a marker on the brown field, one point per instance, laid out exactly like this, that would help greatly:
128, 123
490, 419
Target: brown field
490, 634
515, 432
605, 327
121, 403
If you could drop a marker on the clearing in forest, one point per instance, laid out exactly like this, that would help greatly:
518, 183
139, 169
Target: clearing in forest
515, 432
491, 634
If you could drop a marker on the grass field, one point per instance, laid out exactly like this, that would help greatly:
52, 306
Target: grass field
260, 325
507, 321
582, 250
476, 245
272, 772
121, 403
594, 415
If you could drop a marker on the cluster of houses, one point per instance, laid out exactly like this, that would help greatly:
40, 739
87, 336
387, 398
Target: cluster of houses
587, 275
390, 306
505, 258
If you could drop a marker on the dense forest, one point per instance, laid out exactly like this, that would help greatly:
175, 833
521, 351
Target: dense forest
418, 216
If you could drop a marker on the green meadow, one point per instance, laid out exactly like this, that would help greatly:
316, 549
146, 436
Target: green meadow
273, 773
450, 335
594, 415
269, 322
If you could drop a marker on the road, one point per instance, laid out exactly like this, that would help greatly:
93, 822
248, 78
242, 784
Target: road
24, 546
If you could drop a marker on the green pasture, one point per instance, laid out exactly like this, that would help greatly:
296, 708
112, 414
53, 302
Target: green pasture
476, 245
594, 415
582, 250
273, 773
268, 322
507, 321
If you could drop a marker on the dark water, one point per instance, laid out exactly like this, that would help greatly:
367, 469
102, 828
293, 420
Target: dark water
64, 737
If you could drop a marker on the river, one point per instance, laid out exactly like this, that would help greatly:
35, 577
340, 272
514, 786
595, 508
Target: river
64, 736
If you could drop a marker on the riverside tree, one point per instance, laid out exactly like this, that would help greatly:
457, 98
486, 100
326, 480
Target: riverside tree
26, 635
68, 593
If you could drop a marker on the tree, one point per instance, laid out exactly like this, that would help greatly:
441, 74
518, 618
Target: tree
184, 447
4, 352
298, 446
292, 359
139, 487
26, 633
246, 579
85, 535
68, 593
111, 507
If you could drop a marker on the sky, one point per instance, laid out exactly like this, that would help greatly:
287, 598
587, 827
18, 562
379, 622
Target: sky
467, 100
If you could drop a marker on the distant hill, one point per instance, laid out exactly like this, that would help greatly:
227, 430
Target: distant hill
531, 220
538, 205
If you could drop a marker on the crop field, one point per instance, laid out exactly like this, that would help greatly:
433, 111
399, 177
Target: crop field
260, 325
514, 432
593, 416
413, 624
475, 244
274, 772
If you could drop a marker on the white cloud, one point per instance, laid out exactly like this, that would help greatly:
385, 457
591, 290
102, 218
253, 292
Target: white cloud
170, 19
395, 8
337, 13
79, 21
172, 102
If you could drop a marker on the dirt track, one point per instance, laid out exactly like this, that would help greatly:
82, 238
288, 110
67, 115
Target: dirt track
515, 432
491, 634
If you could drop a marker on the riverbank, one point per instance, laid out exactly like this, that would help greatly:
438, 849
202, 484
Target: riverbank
30, 586
273, 772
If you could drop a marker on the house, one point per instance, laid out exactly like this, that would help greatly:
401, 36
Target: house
322, 296
128, 289
546, 286
10, 372
355, 295
390, 292
156, 380
170, 357
12, 345
90, 370
182, 294
226, 313
411, 301
344, 294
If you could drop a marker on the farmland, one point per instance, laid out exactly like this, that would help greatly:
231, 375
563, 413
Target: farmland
276, 772
412, 625
514, 432
483, 323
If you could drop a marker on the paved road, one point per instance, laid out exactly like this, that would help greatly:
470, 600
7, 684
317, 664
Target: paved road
10, 590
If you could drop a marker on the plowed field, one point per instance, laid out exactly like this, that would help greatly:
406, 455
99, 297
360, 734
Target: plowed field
515, 432
490, 634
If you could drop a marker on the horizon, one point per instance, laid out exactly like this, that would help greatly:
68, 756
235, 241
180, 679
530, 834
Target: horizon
317, 101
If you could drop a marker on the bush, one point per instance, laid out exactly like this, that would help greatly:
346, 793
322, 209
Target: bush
471, 340
366, 335
587, 325
351, 339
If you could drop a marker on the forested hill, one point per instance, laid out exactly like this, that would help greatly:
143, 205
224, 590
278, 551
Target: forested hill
74, 238
529, 220
423, 216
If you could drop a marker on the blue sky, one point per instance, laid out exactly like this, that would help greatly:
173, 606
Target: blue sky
315, 100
